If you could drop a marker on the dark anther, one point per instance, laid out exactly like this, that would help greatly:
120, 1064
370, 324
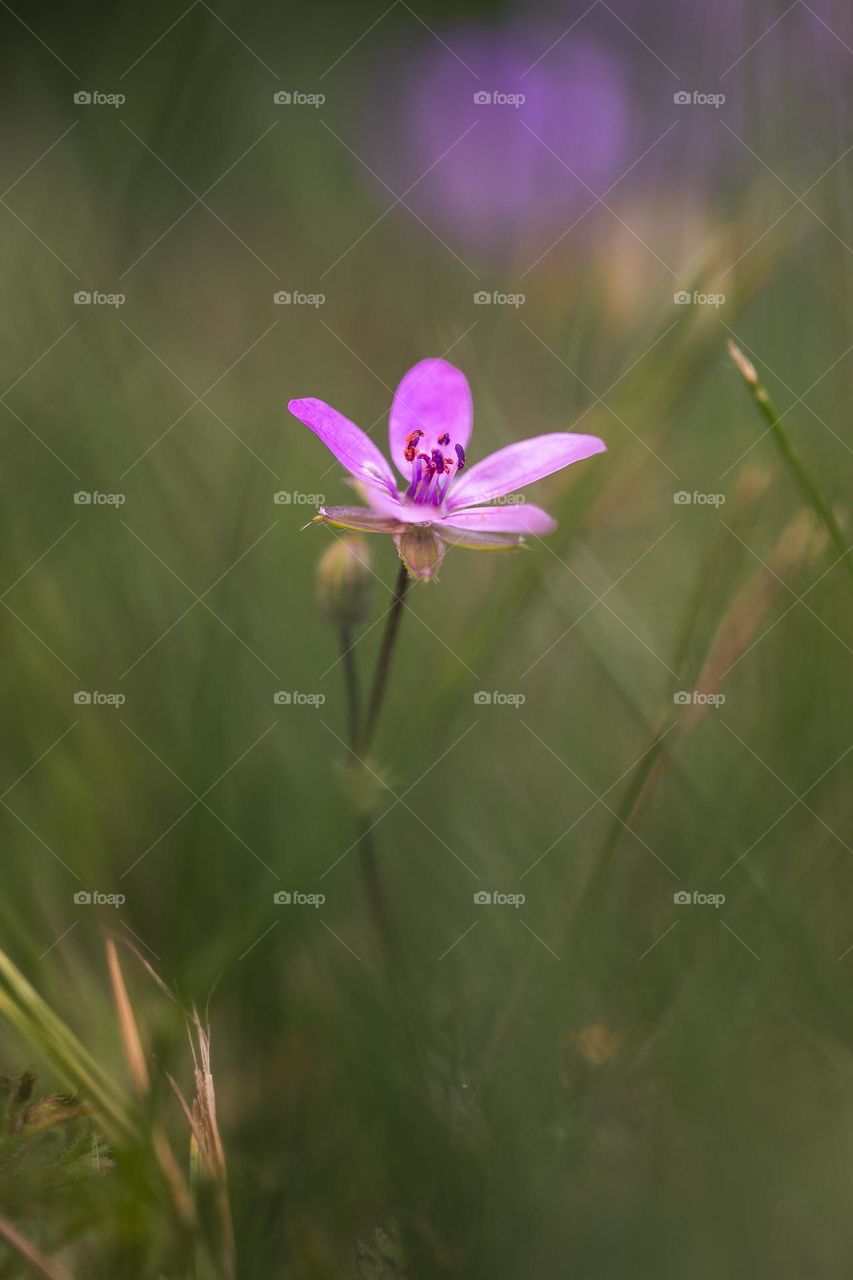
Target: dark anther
411, 445
460, 456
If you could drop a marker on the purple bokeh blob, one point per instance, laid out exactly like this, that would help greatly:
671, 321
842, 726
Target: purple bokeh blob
502, 169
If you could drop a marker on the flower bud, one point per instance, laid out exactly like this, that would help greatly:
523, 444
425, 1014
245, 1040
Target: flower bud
345, 582
421, 551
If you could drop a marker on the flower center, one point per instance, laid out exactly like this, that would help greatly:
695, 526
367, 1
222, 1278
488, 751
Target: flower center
433, 468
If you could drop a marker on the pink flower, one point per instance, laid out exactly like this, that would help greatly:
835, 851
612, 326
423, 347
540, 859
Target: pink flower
445, 501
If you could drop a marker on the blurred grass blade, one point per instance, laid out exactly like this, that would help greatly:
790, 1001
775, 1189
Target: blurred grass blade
135, 1054
207, 1154
177, 1183
37, 1260
26, 1010
803, 479
127, 1022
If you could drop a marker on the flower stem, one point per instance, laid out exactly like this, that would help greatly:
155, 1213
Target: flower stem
376, 894
383, 665
371, 877
351, 686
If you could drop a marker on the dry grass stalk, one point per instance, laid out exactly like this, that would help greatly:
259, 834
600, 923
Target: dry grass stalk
43, 1265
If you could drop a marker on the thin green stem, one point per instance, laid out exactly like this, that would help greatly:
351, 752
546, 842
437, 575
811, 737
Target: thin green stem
360, 746
375, 893
366, 847
383, 664
351, 686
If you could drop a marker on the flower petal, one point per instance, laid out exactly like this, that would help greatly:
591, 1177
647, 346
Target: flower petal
518, 465
397, 508
350, 445
362, 519
478, 541
433, 397
521, 518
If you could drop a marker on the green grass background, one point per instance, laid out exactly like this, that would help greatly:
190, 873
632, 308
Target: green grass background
716, 1138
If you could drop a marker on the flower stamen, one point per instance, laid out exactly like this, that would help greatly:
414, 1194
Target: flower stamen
411, 444
432, 470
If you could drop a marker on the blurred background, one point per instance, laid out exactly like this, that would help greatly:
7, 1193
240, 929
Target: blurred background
209, 210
